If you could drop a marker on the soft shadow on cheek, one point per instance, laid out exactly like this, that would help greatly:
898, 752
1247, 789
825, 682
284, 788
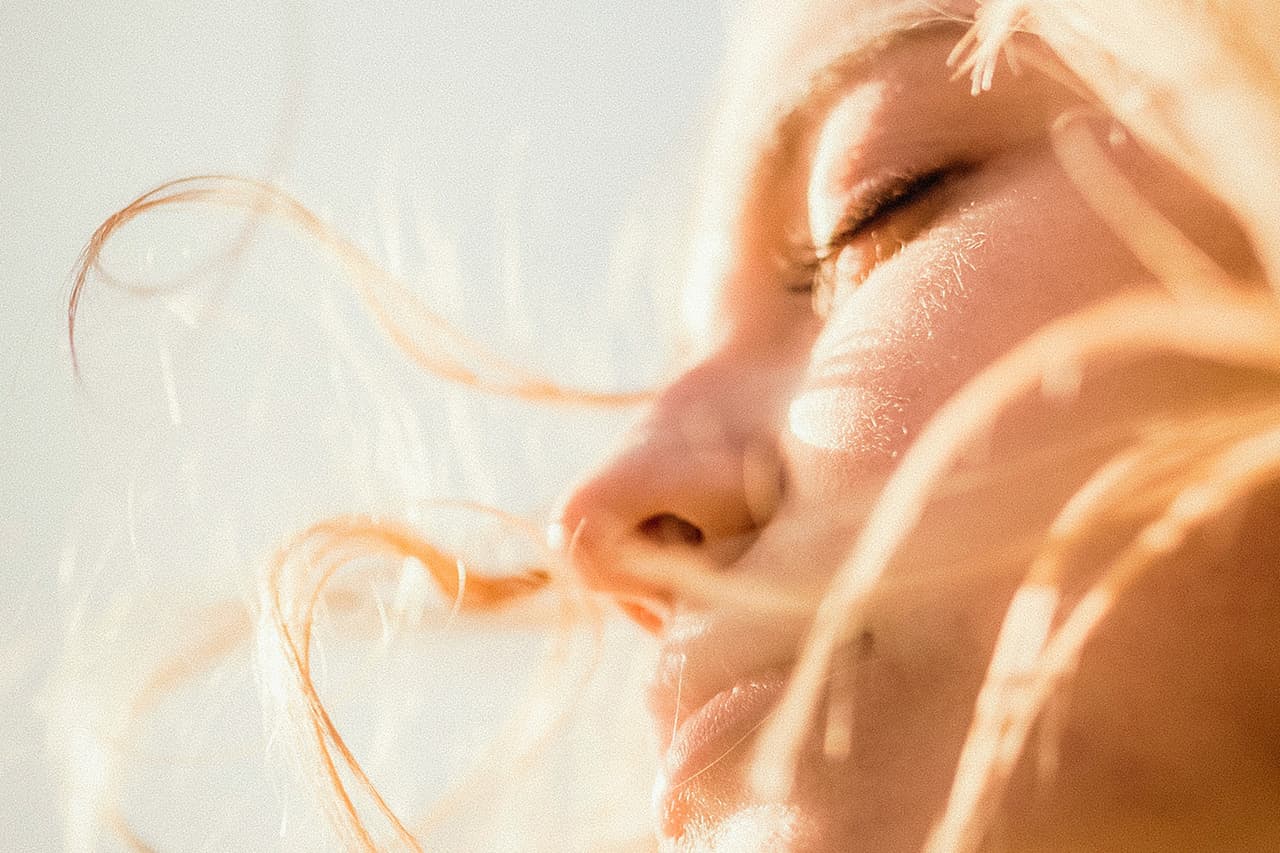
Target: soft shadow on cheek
920, 326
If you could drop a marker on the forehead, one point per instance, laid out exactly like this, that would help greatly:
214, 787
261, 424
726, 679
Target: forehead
782, 53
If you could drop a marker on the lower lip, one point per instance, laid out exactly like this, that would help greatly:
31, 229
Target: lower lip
723, 726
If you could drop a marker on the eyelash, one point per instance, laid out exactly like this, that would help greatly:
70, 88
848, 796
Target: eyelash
818, 264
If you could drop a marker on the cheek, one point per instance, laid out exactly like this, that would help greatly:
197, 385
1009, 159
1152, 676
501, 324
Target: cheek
947, 305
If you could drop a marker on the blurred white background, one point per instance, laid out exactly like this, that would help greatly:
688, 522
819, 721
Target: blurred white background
525, 165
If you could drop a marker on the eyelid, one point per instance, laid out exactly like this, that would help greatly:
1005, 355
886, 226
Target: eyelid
870, 222
881, 199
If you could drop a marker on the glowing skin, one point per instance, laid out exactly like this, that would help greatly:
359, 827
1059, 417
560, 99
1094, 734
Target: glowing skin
758, 462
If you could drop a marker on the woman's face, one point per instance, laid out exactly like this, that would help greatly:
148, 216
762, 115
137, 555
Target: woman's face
944, 230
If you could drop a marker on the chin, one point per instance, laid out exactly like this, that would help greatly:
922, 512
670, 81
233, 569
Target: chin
750, 829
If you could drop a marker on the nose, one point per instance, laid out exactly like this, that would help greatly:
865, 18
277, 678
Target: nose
687, 492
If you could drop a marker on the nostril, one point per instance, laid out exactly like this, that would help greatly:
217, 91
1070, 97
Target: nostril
668, 529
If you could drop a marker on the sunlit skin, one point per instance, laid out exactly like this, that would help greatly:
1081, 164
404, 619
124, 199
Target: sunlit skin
758, 462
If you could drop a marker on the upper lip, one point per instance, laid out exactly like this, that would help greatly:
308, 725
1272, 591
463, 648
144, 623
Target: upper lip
682, 685
667, 698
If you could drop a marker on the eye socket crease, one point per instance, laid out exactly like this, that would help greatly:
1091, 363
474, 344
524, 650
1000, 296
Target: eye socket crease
815, 272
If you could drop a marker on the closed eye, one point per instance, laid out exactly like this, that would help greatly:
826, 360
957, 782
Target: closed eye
878, 226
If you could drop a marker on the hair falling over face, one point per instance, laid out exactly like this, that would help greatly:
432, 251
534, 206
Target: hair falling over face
1106, 472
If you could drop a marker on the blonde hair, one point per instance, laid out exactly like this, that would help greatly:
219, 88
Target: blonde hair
1197, 84
336, 571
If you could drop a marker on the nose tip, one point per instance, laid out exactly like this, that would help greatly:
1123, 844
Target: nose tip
596, 548
650, 519
688, 491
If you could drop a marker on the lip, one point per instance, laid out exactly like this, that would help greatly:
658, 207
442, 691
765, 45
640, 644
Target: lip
715, 729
